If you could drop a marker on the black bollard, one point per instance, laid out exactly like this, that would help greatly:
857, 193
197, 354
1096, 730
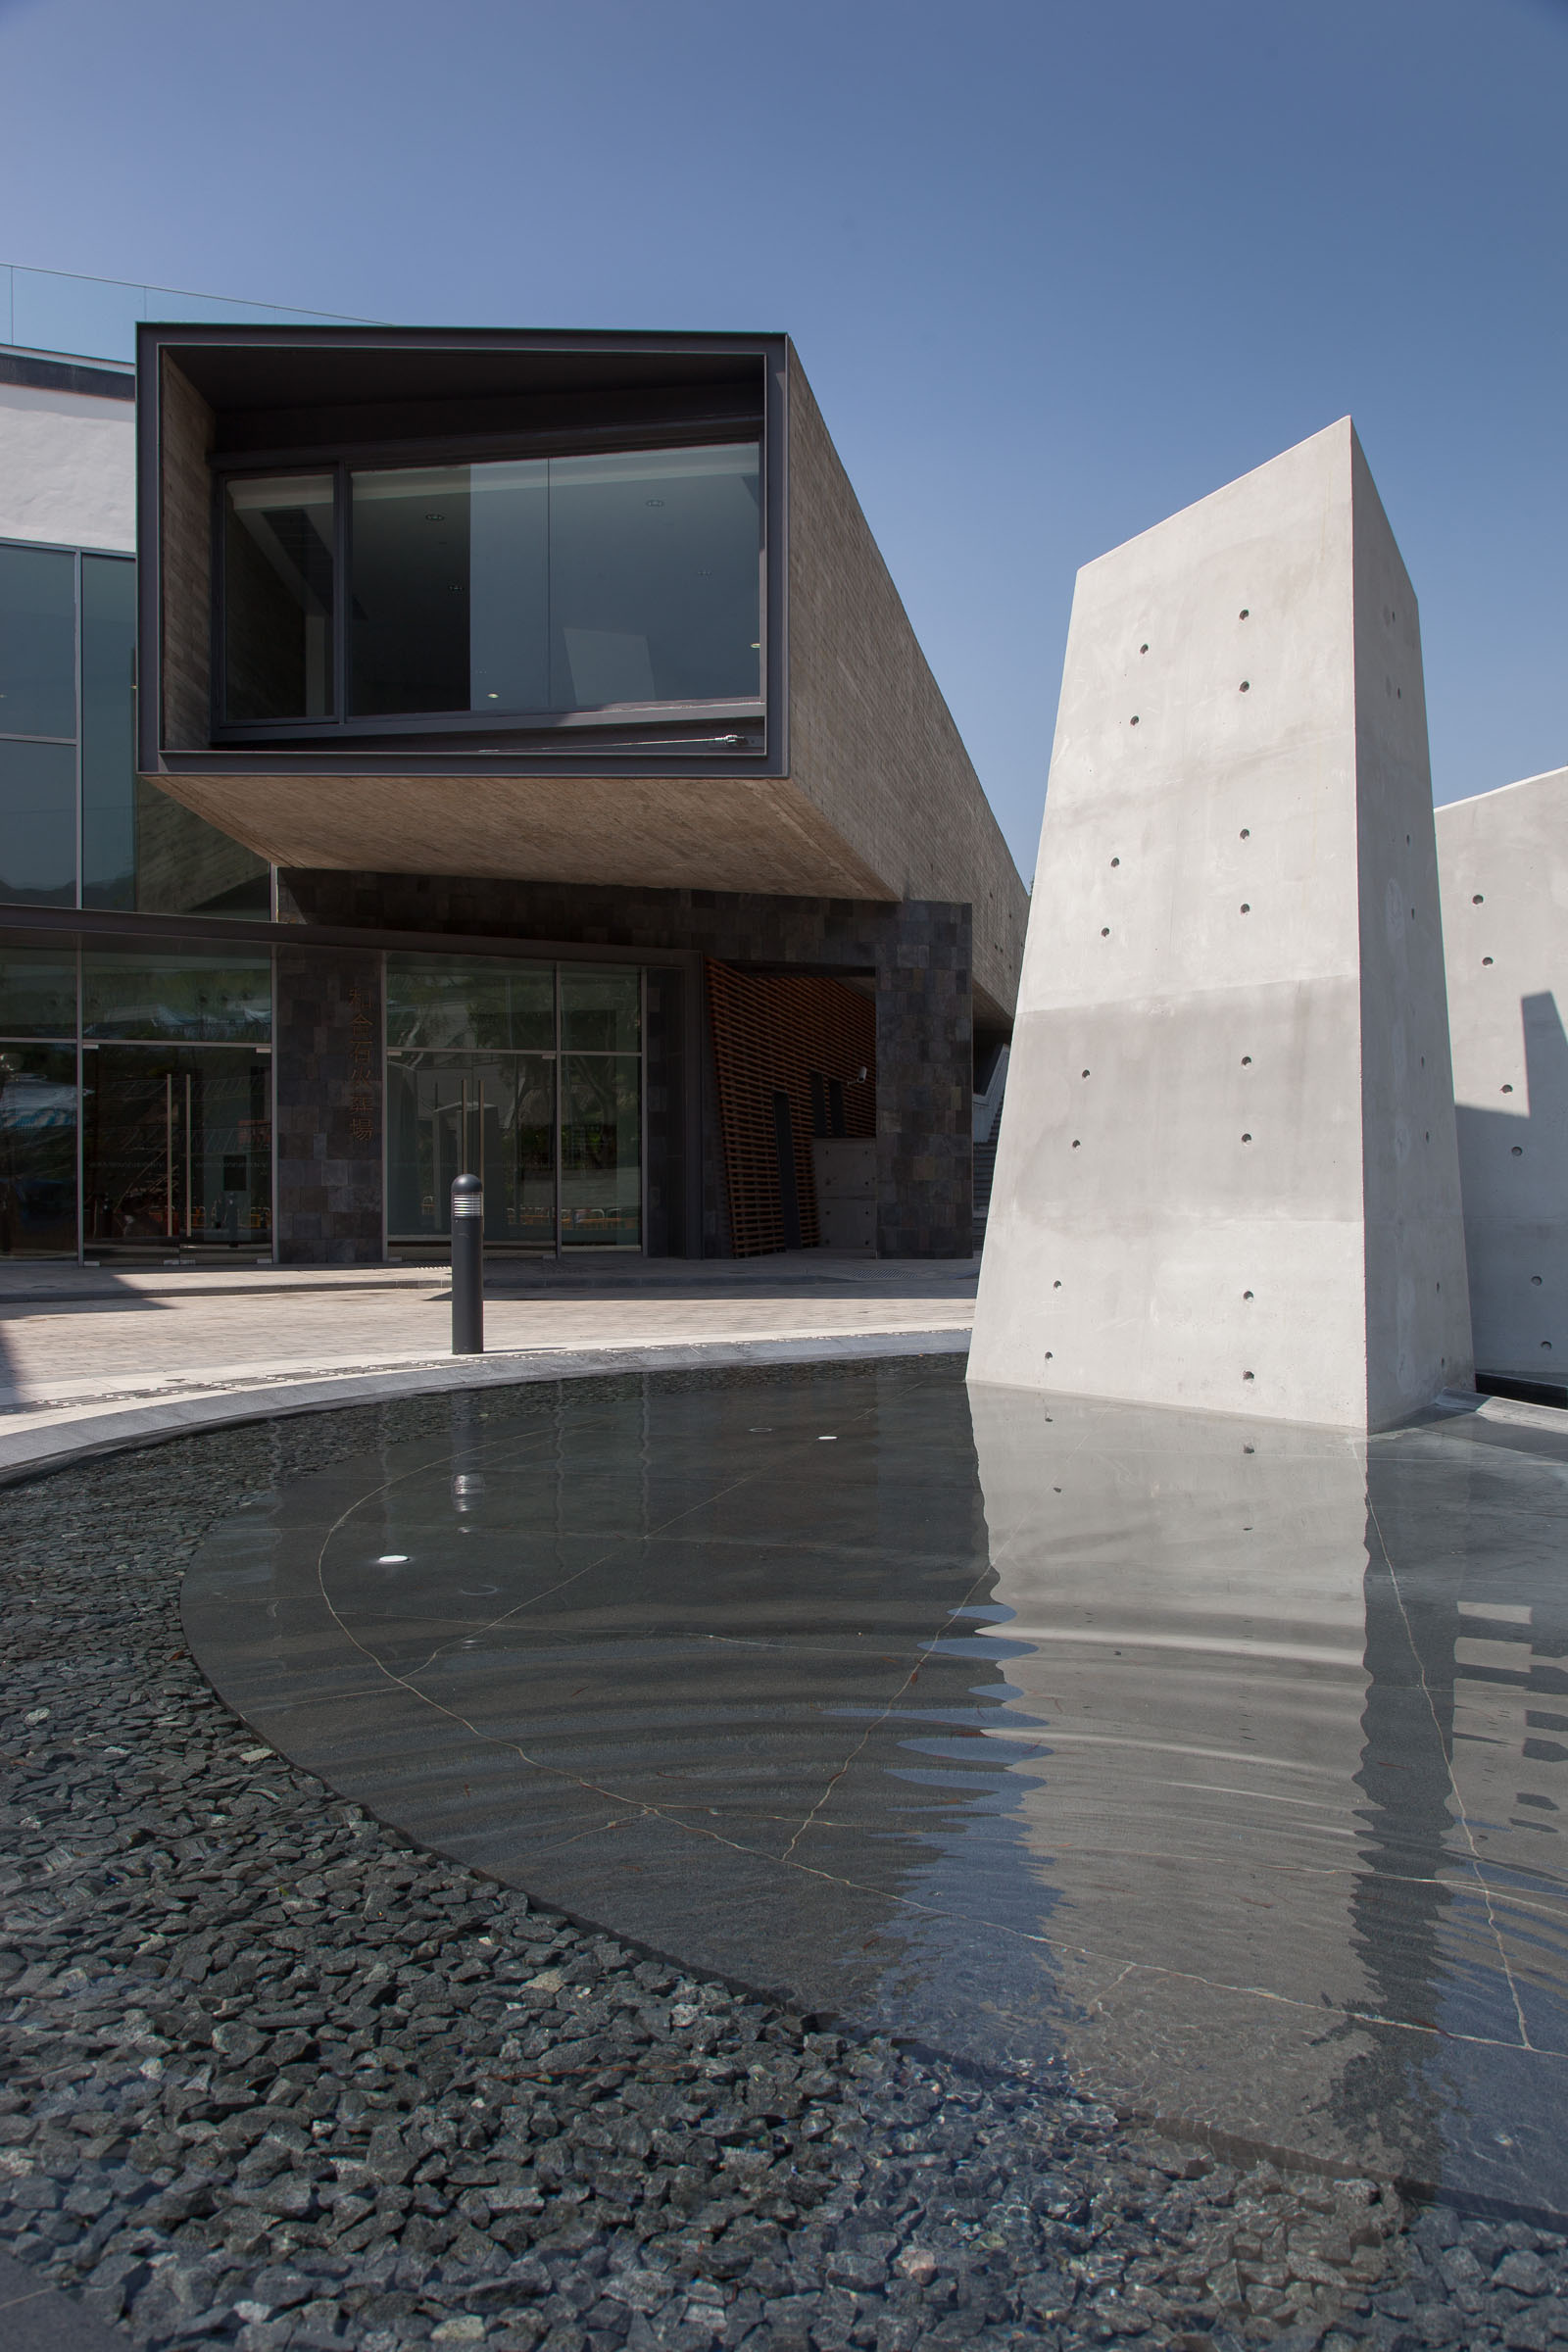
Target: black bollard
467, 1266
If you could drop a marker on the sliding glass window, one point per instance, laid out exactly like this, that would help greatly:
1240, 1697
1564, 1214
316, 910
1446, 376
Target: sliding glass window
278, 566
518, 588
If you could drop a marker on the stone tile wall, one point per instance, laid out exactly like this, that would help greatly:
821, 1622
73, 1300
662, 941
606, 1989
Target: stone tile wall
919, 951
924, 1085
326, 1053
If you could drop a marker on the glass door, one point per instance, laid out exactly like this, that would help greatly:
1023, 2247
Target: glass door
177, 1150
490, 1115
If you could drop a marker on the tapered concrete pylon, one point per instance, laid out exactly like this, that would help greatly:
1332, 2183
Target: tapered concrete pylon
1227, 1175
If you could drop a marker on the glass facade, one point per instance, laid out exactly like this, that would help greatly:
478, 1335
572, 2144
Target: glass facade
78, 829
159, 1140
37, 1151
176, 1149
526, 1075
526, 586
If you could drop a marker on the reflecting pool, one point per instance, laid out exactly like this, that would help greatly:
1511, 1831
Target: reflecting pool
1222, 1762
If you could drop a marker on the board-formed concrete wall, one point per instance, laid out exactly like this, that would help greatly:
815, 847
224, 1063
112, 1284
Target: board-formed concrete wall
1227, 1174
1503, 862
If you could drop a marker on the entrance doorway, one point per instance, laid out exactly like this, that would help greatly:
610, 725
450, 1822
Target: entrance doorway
529, 1077
177, 1150
490, 1116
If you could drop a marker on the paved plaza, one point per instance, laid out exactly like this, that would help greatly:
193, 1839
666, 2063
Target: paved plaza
98, 1355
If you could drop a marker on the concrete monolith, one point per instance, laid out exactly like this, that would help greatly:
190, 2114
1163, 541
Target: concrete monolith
1227, 1175
1504, 859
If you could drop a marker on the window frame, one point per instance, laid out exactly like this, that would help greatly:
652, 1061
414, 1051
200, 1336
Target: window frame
601, 723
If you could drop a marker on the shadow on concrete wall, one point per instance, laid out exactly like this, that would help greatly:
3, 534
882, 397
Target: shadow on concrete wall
1505, 1208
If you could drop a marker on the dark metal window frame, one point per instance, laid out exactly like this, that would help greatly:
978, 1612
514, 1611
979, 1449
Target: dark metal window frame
747, 714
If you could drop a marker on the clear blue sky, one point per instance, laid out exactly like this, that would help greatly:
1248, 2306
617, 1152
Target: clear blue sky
1054, 270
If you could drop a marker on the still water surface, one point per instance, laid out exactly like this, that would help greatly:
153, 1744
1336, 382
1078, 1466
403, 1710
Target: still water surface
1222, 1763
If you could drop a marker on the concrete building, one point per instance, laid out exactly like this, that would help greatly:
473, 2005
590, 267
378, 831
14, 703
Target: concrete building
1227, 1175
1504, 875
534, 770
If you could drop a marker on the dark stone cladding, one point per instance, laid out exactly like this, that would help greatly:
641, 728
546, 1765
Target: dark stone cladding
327, 1073
919, 951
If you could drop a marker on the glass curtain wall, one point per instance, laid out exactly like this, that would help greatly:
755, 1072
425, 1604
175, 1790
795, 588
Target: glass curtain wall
517, 586
529, 1076
165, 1147
37, 1103
37, 726
78, 829
176, 1105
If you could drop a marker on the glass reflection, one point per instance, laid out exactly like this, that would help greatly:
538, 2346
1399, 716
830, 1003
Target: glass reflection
37, 1151
470, 1001
278, 598
167, 996
176, 1149
38, 823
37, 993
108, 709
37, 642
653, 577
451, 1114
450, 593
559, 584
601, 1152
601, 1013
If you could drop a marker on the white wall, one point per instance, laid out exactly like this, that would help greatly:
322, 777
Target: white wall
1503, 860
68, 468
1205, 1193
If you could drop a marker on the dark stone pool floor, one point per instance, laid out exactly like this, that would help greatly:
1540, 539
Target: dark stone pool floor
1222, 1762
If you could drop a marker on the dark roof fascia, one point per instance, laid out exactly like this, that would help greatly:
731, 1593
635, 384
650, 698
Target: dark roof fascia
43, 371
721, 343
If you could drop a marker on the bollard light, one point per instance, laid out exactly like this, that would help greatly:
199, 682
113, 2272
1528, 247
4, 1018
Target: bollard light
467, 1266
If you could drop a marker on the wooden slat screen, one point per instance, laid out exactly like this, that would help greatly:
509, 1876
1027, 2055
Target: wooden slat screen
772, 1035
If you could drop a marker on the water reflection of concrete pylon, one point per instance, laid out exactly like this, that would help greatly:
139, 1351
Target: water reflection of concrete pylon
1192, 1592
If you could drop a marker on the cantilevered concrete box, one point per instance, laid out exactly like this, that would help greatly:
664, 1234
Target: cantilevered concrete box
843, 777
1227, 1175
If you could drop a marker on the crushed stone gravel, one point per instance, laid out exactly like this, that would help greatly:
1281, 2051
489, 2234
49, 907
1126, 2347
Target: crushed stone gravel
271, 2078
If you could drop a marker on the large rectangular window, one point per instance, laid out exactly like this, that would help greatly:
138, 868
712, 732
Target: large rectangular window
518, 588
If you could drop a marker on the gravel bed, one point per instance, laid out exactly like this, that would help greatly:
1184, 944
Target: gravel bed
272, 2078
